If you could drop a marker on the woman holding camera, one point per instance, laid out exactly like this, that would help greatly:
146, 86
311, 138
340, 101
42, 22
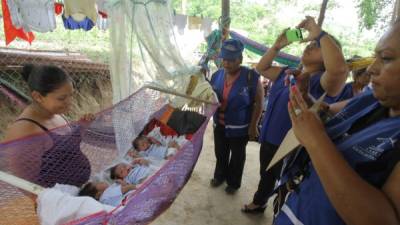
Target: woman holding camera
323, 70
353, 172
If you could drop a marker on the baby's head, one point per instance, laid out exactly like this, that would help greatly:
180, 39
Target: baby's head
120, 171
141, 143
93, 189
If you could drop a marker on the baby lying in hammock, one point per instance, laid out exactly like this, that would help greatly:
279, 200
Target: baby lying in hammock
148, 157
134, 173
105, 193
151, 148
127, 177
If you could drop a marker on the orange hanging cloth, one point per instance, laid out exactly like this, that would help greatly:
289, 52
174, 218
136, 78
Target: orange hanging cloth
10, 31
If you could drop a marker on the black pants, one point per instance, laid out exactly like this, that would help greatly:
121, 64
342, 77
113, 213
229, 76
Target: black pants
231, 156
267, 178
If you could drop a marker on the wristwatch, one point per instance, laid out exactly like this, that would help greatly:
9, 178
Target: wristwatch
318, 39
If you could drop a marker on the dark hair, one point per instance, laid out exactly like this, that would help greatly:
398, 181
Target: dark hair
356, 72
88, 190
135, 142
44, 78
113, 172
359, 72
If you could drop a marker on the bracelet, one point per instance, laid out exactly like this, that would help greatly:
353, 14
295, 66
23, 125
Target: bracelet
318, 39
276, 49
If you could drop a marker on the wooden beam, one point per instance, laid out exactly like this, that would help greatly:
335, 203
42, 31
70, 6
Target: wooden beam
20, 183
396, 12
225, 11
322, 12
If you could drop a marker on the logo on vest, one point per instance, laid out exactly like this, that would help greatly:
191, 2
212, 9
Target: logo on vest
386, 143
244, 91
375, 149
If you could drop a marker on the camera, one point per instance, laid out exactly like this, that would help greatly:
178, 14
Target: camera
294, 35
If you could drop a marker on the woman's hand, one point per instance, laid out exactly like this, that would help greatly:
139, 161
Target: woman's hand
121, 182
87, 118
141, 161
302, 83
311, 26
154, 141
281, 41
133, 153
306, 124
253, 133
173, 144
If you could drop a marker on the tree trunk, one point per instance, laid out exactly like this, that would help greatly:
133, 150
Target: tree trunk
225, 18
322, 12
396, 12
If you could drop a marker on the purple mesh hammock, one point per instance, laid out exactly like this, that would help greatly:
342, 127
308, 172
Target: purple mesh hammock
73, 153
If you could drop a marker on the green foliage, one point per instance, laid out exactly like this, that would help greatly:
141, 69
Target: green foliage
264, 22
369, 12
373, 12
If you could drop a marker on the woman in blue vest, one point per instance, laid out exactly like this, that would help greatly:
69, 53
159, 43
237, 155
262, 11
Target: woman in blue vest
326, 70
240, 93
353, 174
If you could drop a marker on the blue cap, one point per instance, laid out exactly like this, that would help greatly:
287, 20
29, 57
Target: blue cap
231, 49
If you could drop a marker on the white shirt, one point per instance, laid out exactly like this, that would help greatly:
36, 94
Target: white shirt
33, 15
112, 195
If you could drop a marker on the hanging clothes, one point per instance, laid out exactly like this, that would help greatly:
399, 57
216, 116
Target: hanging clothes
102, 8
102, 22
58, 8
71, 24
102, 18
180, 22
80, 10
10, 31
194, 23
206, 26
33, 15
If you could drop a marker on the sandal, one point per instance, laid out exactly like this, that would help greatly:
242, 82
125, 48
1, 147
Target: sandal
258, 209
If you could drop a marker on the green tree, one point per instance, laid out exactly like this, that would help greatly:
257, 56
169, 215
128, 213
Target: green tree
375, 13
263, 22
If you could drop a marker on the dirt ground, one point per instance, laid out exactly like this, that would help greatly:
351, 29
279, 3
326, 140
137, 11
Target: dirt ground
200, 204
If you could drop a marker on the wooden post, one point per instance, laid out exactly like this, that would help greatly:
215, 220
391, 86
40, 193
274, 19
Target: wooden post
184, 4
225, 19
20, 183
225, 7
322, 12
396, 12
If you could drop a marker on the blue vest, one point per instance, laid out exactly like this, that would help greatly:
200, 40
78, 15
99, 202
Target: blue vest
238, 111
276, 121
347, 92
309, 204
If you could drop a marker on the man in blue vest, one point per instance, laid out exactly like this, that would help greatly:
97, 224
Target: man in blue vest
240, 93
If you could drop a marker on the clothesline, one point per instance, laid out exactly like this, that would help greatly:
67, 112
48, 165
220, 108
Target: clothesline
21, 18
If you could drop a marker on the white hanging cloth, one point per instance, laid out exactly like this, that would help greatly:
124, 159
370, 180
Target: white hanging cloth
80, 9
33, 15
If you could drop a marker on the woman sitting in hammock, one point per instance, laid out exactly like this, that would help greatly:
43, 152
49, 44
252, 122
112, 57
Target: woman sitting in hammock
54, 157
